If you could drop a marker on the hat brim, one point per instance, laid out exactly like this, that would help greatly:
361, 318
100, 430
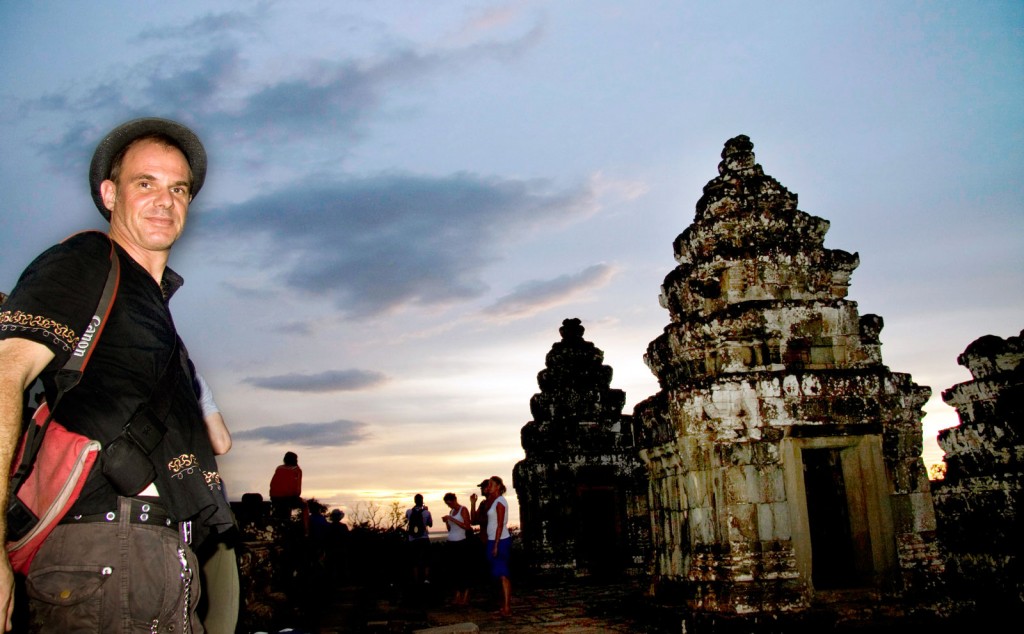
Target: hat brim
121, 136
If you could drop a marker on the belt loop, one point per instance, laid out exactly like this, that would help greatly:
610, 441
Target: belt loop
124, 512
185, 528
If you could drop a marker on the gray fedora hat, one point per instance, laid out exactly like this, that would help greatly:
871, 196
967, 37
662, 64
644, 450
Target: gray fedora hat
124, 134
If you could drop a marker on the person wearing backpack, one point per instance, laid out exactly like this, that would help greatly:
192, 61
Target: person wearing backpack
418, 522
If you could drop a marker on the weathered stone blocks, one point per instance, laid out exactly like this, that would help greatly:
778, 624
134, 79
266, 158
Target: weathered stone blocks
766, 368
980, 503
581, 488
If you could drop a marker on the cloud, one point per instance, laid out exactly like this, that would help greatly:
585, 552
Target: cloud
339, 433
330, 381
204, 28
493, 18
195, 89
316, 101
370, 246
376, 244
72, 151
537, 295
240, 103
334, 99
183, 89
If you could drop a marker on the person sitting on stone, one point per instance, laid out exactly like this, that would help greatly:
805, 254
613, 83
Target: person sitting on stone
286, 486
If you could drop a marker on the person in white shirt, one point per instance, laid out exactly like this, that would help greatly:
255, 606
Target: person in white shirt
499, 540
459, 547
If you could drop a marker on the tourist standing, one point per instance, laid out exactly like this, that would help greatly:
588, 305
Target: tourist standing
459, 548
499, 541
481, 566
418, 523
337, 546
479, 513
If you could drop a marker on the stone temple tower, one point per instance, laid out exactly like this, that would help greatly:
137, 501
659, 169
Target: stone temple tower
980, 503
581, 488
784, 458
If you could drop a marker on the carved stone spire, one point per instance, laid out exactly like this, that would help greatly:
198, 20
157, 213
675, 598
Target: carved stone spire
579, 456
775, 408
753, 279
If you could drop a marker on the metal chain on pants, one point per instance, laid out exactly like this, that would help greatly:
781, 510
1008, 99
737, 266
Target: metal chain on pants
186, 579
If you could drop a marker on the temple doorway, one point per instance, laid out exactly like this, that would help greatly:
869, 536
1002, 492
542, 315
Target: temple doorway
600, 547
843, 532
828, 514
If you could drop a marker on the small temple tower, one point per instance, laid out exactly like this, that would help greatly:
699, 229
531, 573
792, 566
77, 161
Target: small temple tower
784, 458
581, 488
980, 503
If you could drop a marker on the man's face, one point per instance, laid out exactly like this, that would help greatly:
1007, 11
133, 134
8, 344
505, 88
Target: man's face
149, 202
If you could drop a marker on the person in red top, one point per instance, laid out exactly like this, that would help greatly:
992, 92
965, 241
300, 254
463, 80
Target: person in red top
286, 485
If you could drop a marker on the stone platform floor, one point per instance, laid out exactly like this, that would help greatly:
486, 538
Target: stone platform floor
566, 607
559, 608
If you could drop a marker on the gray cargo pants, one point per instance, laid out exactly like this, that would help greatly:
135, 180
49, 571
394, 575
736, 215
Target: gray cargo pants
114, 576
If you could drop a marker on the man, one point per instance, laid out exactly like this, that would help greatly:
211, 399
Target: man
418, 523
127, 559
479, 514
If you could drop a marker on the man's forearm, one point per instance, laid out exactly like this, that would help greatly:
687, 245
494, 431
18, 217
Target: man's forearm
10, 432
21, 361
217, 430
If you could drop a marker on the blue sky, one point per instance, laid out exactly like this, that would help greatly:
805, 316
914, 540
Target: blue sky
405, 200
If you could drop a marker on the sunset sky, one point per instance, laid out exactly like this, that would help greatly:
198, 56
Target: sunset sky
405, 199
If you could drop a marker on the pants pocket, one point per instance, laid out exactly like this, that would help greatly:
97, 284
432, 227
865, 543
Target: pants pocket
67, 598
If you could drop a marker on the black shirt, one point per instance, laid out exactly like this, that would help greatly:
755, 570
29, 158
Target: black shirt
53, 303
